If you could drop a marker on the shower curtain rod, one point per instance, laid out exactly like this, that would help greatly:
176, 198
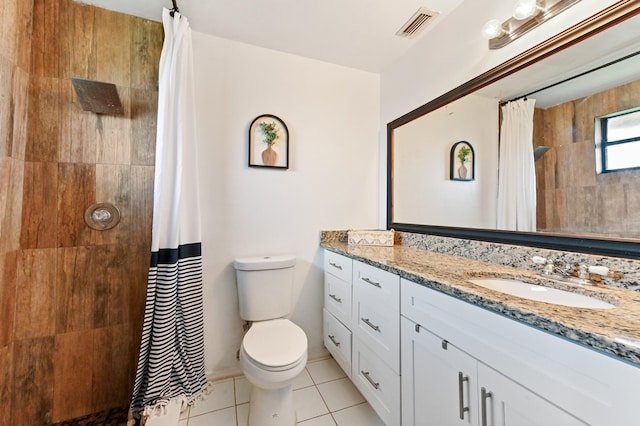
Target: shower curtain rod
624, 58
175, 8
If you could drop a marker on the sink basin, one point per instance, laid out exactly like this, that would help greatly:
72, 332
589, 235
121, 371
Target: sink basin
541, 294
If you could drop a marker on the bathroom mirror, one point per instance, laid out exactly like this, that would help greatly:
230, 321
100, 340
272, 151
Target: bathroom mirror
432, 203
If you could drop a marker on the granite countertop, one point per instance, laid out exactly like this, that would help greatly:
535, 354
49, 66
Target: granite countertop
615, 332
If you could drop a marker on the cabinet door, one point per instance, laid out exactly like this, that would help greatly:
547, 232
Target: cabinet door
439, 385
379, 328
337, 340
376, 286
504, 402
377, 382
337, 298
338, 265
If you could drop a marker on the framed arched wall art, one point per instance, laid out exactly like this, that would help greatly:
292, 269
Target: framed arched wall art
462, 161
268, 142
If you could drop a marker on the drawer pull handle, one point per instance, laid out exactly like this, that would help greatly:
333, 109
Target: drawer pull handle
461, 380
370, 324
373, 283
333, 339
367, 376
484, 396
334, 297
335, 265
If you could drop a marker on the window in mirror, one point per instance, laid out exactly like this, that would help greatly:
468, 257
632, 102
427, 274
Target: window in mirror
619, 147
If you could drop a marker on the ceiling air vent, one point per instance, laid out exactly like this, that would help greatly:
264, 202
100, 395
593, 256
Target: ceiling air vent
417, 23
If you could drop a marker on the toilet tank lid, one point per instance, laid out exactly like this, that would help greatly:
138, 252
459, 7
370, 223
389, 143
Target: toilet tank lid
258, 263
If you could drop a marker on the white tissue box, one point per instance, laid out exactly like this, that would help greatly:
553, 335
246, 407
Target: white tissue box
371, 237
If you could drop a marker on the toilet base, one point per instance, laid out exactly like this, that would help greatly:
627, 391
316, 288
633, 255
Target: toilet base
272, 407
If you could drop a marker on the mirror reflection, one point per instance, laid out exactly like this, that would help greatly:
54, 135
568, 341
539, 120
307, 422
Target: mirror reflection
587, 169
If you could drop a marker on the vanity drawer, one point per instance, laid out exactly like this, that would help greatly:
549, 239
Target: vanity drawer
377, 383
337, 297
376, 286
338, 265
379, 328
337, 340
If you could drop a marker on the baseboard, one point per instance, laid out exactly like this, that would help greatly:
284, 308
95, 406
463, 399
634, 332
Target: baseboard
317, 354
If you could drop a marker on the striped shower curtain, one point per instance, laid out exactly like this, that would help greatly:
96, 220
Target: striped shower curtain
171, 361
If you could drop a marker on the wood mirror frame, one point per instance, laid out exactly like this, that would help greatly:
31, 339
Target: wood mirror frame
597, 23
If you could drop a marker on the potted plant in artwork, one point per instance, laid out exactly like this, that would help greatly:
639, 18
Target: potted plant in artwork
270, 132
463, 155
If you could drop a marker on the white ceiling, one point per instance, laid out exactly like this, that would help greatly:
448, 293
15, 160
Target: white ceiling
361, 34
356, 33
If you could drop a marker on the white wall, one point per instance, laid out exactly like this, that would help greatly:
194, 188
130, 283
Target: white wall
332, 114
421, 158
455, 52
337, 173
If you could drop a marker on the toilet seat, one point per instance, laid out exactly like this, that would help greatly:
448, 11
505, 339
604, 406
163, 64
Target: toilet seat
275, 345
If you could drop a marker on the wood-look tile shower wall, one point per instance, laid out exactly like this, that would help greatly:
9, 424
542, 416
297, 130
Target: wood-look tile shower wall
572, 197
72, 299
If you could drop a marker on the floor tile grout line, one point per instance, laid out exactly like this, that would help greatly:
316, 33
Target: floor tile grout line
235, 399
314, 384
323, 400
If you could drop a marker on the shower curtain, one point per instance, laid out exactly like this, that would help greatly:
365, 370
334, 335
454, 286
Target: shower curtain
517, 178
171, 361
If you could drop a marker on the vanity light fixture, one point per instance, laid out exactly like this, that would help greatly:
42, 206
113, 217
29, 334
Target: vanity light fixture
493, 29
525, 9
527, 15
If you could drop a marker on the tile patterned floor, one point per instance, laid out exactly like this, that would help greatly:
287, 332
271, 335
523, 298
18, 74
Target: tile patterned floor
323, 396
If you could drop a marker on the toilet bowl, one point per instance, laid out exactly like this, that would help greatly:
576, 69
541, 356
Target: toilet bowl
274, 350
272, 354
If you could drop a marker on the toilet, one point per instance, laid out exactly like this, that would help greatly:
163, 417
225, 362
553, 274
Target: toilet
274, 350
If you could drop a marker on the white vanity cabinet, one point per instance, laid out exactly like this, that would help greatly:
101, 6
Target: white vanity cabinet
464, 365
337, 308
436, 385
361, 321
376, 312
376, 339
444, 386
505, 402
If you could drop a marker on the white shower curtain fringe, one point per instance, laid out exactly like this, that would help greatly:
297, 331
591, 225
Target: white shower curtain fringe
161, 408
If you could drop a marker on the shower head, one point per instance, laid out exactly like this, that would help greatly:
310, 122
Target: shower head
539, 152
98, 97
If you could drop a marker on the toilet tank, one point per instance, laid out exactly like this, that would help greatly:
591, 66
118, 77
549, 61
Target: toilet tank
265, 285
